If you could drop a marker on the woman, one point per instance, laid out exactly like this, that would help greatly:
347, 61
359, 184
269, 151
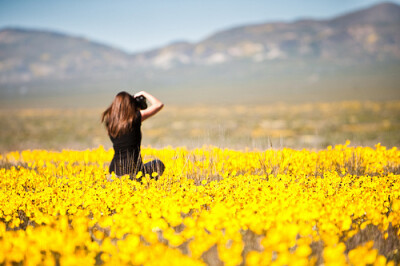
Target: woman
123, 120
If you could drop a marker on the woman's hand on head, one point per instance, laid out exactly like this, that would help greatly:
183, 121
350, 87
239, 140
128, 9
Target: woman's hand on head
156, 105
140, 93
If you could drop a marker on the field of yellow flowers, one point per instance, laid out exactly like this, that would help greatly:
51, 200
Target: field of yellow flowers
336, 206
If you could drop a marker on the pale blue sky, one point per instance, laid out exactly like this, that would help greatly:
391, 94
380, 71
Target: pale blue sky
139, 25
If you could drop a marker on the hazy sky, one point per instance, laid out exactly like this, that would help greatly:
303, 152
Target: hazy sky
139, 25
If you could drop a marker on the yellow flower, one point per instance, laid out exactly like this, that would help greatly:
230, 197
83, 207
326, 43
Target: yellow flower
209, 202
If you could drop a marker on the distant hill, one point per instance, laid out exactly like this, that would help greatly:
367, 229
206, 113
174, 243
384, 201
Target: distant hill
368, 34
255, 57
26, 55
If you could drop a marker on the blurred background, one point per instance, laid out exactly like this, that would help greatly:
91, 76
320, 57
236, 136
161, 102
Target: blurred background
234, 74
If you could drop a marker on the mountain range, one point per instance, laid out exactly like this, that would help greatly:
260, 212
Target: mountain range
369, 34
251, 57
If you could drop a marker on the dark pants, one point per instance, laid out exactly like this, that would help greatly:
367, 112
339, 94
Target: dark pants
127, 167
155, 166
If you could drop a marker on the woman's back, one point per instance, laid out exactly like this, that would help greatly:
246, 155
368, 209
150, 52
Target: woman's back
127, 149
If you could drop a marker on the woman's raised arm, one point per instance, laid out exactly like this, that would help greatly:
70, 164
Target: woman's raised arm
156, 105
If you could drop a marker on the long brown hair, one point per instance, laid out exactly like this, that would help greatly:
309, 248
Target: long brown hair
119, 116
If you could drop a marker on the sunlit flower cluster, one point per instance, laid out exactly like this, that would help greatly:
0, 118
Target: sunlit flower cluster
337, 206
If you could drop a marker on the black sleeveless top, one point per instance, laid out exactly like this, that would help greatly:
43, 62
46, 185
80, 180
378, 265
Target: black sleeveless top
127, 158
